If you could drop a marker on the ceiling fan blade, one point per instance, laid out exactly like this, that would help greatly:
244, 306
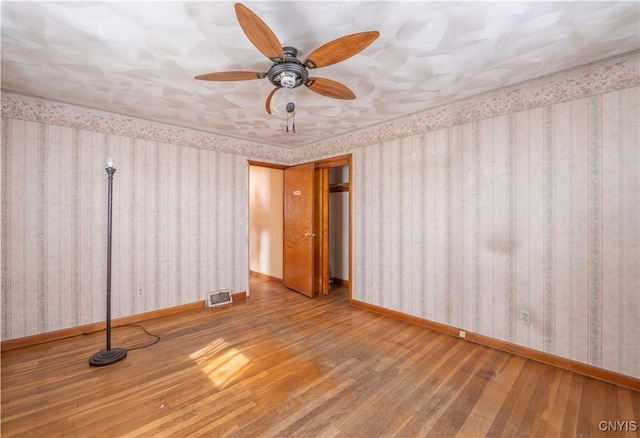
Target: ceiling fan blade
231, 76
329, 88
259, 33
268, 103
340, 49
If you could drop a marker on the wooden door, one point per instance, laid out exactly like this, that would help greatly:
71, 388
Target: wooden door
298, 235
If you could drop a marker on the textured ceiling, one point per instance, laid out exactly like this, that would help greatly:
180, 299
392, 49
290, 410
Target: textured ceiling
140, 58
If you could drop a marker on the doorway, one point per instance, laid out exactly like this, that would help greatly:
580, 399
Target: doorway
339, 226
265, 220
332, 228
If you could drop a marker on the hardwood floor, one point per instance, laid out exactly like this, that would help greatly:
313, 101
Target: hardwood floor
282, 364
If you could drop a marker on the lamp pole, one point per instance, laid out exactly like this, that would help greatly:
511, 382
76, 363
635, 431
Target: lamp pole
108, 355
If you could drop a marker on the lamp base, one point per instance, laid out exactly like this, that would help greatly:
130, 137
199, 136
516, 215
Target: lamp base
107, 357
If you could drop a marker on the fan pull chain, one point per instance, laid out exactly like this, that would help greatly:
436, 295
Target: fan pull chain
293, 130
291, 114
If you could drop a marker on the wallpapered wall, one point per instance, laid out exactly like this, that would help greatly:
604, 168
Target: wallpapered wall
537, 210
175, 225
524, 198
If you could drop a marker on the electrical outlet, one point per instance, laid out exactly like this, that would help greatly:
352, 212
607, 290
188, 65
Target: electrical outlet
463, 334
524, 317
140, 292
371, 284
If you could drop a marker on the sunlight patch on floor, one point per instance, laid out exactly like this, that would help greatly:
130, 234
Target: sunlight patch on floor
220, 362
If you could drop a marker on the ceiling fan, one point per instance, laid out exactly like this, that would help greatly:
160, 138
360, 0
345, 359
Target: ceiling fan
287, 71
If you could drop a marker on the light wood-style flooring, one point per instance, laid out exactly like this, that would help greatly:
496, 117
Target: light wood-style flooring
282, 364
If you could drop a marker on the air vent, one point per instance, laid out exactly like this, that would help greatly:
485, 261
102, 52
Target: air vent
219, 298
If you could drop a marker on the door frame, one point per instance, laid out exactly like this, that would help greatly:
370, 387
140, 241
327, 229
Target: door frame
327, 163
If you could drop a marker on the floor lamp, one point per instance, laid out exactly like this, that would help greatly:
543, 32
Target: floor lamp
108, 355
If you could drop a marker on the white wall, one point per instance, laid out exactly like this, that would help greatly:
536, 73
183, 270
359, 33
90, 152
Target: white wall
266, 220
339, 225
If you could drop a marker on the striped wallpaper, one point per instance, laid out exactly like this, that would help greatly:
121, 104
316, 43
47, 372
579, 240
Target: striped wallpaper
177, 220
524, 198
537, 210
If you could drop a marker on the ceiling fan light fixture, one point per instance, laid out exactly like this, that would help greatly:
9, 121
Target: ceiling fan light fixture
281, 99
287, 72
290, 73
288, 79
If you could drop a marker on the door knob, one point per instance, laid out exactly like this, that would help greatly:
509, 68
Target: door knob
310, 235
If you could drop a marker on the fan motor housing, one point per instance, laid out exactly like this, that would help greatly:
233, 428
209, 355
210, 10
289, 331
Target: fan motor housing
290, 73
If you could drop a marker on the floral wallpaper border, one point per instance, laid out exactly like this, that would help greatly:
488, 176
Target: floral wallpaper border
600, 77
608, 75
36, 109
